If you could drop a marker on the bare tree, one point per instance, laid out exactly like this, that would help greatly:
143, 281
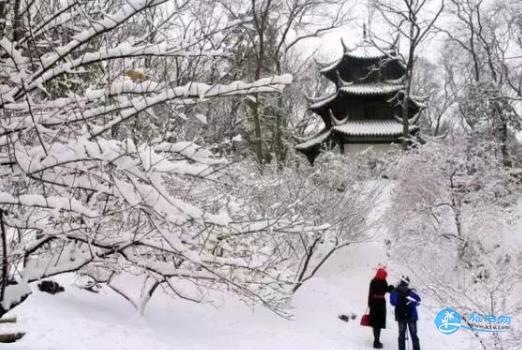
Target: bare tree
435, 82
451, 220
265, 46
412, 21
332, 196
487, 84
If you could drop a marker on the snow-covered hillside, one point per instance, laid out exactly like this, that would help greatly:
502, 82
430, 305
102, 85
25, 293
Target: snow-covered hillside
81, 320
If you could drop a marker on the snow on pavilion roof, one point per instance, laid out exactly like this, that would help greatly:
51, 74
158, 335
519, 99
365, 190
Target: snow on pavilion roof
372, 128
329, 56
326, 67
314, 140
371, 88
330, 59
321, 101
366, 51
360, 89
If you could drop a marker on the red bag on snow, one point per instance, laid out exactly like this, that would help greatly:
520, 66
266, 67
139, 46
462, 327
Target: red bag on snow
365, 320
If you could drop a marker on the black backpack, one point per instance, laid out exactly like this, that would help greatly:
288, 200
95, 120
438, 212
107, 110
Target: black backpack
401, 309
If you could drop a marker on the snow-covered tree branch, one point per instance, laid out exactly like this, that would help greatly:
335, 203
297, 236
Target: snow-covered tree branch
82, 191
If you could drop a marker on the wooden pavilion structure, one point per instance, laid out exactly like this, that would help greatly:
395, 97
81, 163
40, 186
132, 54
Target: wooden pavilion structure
366, 108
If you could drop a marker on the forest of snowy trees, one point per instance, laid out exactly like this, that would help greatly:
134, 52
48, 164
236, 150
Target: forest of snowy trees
155, 138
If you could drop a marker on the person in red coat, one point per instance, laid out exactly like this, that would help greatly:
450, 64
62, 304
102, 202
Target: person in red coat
377, 304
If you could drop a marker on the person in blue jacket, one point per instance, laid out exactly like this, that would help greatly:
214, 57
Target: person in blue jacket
405, 301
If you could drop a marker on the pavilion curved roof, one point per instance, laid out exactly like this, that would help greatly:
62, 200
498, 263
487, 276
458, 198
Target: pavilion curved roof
361, 51
366, 51
327, 67
371, 88
323, 100
315, 140
356, 128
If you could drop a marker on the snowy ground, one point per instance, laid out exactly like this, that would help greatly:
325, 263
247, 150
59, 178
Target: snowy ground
80, 320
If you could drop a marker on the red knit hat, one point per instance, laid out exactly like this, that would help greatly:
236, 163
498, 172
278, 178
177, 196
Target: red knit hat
381, 274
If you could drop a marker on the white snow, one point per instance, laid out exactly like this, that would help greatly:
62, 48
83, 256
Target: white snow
14, 54
52, 202
327, 60
13, 294
189, 91
372, 128
371, 89
201, 117
81, 320
366, 51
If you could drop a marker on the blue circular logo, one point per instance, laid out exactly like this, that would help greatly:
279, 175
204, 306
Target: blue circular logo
448, 320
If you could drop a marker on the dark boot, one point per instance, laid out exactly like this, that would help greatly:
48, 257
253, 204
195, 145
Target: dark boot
376, 338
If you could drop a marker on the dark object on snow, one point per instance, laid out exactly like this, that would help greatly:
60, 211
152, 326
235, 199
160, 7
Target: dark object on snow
346, 318
50, 287
11, 337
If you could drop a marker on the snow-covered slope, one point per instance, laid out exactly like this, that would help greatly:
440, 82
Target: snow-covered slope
78, 320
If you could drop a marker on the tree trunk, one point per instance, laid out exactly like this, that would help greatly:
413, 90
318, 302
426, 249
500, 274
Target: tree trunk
502, 133
405, 124
3, 16
5, 268
258, 140
17, 22
504, 148
407, 91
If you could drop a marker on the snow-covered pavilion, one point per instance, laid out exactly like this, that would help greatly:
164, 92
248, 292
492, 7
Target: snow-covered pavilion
365, 109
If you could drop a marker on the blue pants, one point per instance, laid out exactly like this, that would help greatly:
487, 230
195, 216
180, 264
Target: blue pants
412, 326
